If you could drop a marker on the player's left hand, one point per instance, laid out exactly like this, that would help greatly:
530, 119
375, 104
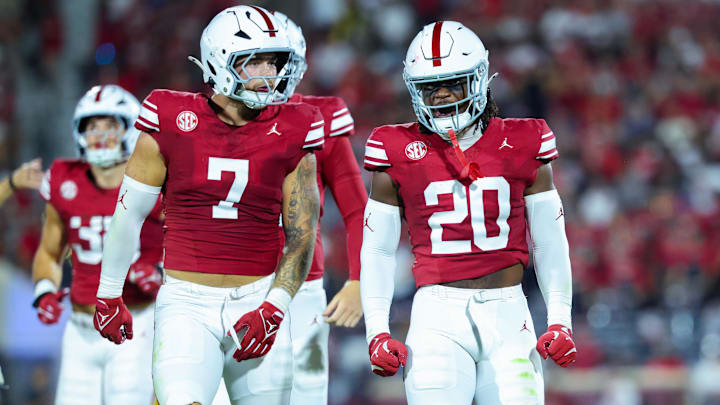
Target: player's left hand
386, 355
147, 277
262, 326
557, 343
345, 309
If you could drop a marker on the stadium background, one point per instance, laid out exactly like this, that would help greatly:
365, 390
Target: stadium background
630, 87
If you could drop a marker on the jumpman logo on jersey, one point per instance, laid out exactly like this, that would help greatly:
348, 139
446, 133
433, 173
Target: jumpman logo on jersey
561, 214
274, 130
366, 223
505, 144
122, 200
524, 327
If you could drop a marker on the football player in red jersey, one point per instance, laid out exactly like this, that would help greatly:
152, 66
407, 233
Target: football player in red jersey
338, 170
466, 182
81, 195
228, 165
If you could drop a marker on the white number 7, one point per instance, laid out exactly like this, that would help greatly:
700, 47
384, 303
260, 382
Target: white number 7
224, 209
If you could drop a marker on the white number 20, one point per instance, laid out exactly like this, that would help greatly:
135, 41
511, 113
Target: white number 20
461, 195
225, 209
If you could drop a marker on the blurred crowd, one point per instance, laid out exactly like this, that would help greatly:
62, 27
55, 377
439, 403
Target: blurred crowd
631, 89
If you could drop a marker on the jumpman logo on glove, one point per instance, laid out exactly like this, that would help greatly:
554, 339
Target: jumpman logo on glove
261, 327
386, 355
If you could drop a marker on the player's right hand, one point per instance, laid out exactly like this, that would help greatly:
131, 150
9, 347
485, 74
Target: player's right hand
113, 320
49, 306
387, 355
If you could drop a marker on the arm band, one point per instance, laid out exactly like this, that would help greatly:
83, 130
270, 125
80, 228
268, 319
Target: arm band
135, 202
552, 254
381, 235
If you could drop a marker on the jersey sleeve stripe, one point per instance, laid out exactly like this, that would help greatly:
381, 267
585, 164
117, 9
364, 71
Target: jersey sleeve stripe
341, 122
375, 153
150, 105
317, 123
314, 134
547, 145
340, 112
549, 155
546, 135
343, 130
45, 186
311, 145
146, 125
149, 116
372, 163
372, 142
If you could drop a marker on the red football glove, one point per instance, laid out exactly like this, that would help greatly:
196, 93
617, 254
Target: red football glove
147, 277
49, 307
386, 355
558, 344
262, 326
113, 320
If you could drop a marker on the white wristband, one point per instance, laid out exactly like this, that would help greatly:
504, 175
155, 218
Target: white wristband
280, 298
44, 286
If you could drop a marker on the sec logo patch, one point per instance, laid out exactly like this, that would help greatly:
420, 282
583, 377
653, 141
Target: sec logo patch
416, 150
186, 121
68, 189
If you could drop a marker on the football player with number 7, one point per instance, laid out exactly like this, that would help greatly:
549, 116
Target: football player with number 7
467, 182
228, 165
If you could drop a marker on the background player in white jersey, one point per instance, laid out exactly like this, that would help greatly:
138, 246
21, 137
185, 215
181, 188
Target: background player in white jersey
228, 166
338, 170
81, 195
466, 200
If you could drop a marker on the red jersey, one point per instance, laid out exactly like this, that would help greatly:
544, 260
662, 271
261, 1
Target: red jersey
86, 211
461, 230
338, 169
223, 190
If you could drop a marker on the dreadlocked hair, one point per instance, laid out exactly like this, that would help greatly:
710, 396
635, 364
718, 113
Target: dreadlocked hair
491, 111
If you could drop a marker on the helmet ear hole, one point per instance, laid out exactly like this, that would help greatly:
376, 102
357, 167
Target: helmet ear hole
212, 68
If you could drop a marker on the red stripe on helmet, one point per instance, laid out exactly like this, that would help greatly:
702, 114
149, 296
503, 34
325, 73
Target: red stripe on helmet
97, 96
267, 19
436, 44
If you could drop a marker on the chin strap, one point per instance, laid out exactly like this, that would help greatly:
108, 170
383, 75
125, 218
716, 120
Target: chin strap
470, 170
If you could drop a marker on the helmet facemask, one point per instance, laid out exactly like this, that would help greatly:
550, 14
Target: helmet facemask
96, 152
277, 85
466, 110
299, 67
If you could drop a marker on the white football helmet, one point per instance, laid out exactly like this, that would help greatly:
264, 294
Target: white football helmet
241, 32
297, 43
447, 51
113, 101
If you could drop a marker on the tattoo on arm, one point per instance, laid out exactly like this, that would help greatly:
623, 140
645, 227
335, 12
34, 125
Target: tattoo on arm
301, 210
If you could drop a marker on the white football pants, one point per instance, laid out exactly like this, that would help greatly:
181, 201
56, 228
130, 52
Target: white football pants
192, 349
95, 371
472, 347
309, 333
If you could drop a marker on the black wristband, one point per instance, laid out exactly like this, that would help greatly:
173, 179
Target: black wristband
13, 187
